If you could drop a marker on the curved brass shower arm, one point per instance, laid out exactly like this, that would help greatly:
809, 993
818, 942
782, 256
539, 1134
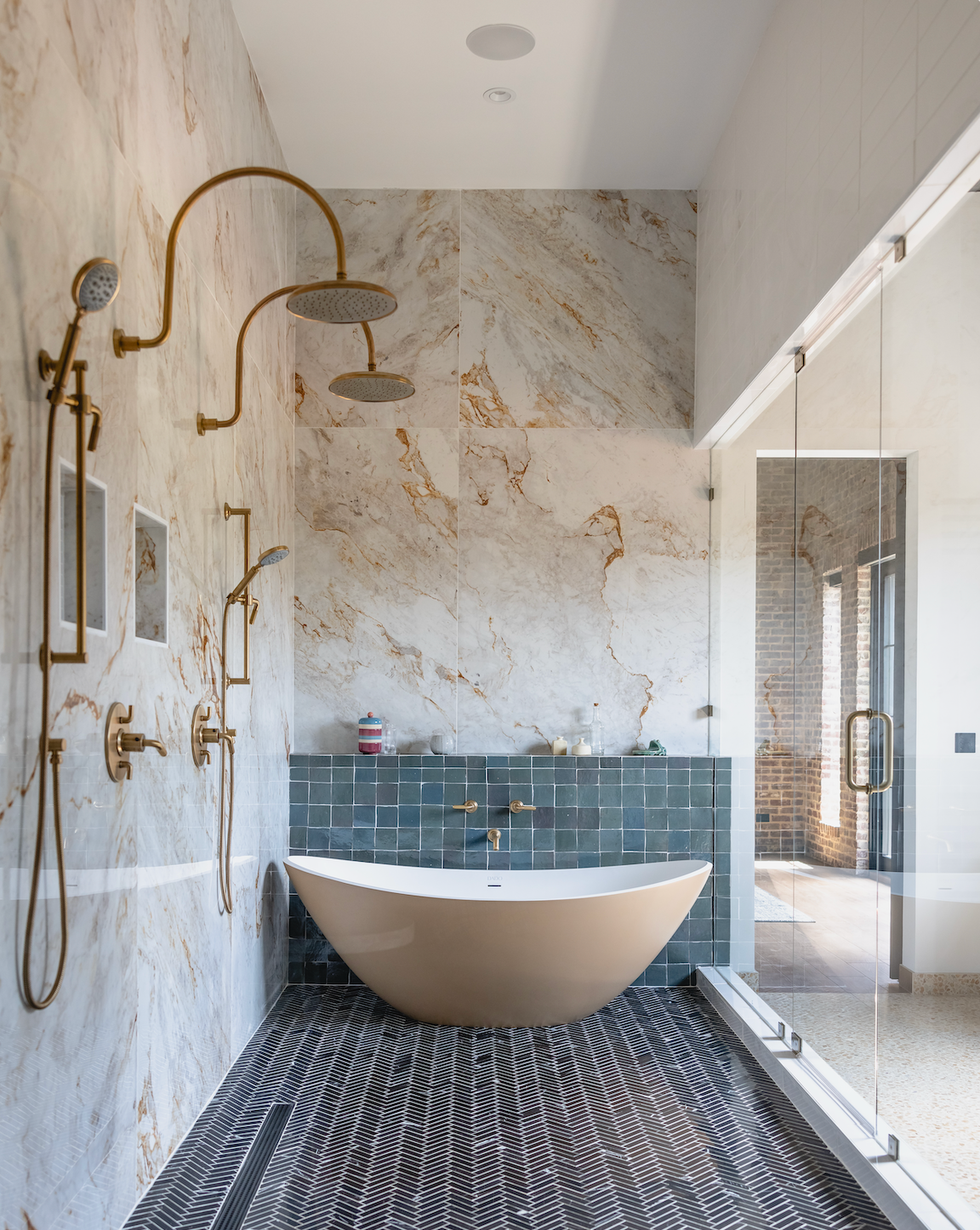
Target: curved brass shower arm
123, 342
372, 362
205, 425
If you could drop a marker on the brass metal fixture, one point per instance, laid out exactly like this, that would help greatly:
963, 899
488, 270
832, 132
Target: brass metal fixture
371, 385
95, 286
469, 806
120, 743
346, 302
202, 735
871, 715
517, 805
250, 605
494, 836
223, 734
306, 302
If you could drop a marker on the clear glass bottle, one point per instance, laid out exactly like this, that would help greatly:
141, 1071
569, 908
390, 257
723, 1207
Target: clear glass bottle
595, 732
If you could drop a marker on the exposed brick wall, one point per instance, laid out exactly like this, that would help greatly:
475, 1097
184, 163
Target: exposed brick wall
814, 518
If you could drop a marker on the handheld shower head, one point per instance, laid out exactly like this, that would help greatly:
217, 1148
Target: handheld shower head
96, 285
371, 385
273, 556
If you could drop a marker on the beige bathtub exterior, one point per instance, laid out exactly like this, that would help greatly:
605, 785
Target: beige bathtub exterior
460, 961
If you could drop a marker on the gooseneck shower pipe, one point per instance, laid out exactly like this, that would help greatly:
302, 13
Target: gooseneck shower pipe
342, 301
95, 286
123, 342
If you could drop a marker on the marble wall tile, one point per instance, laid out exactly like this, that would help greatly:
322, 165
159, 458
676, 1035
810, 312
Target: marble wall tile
582, 578
375, 581
581, 553
577, 308
407, 241
95, 162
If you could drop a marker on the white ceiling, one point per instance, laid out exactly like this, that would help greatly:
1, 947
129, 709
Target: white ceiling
616, 93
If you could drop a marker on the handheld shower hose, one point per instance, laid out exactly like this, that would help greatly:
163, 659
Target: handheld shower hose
96, 285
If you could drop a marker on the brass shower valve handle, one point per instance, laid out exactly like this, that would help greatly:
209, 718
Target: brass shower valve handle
203, 736
469, 806
119, 743
517, 805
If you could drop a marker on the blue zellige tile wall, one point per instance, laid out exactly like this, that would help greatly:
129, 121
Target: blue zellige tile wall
590, 811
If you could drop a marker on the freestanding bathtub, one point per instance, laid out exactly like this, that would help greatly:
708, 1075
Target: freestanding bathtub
493, 948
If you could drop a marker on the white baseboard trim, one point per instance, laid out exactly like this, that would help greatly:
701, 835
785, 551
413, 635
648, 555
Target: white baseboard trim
908, 1191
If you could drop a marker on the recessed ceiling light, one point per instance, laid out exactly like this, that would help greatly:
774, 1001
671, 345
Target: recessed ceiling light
499, 94
500, 42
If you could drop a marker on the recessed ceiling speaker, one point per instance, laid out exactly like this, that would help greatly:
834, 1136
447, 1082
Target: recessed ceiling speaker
500, 42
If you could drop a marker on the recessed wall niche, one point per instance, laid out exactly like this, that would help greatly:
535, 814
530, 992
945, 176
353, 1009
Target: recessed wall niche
151, 577
95, 550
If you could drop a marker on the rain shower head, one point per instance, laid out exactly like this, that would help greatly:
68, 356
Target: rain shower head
96, 285
273, 556
341, 302
371, 385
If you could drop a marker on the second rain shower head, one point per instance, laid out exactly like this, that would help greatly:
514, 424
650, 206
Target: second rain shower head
372, 385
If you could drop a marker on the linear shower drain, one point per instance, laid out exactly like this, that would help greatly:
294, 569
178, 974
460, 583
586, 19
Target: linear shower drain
235, 1205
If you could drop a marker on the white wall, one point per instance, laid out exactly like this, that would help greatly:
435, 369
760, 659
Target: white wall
847, 107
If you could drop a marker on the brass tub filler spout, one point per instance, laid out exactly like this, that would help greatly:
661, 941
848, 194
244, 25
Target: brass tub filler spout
494, 836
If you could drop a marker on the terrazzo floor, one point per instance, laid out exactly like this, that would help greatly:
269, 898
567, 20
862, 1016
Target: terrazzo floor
649, 1113
928, 1045
845, 948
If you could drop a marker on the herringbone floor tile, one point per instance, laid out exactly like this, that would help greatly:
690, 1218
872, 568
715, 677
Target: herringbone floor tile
649, 1115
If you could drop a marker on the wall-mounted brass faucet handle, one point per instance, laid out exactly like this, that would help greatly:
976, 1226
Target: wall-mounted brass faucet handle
469, 806
494, 836
517, 805
119, 743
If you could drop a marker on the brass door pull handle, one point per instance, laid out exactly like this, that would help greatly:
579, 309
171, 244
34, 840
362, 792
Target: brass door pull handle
517, 806
871, 715
494, 836
469, 806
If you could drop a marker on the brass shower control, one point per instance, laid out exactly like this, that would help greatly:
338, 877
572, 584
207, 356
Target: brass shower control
202, 736
120, 743
517, 806
469, 806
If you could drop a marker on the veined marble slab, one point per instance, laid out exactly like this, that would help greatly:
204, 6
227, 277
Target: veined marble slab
408, 241
577, 308
583, 578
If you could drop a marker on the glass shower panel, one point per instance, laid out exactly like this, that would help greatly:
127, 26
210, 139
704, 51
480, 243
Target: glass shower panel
828, 670
929, 1022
